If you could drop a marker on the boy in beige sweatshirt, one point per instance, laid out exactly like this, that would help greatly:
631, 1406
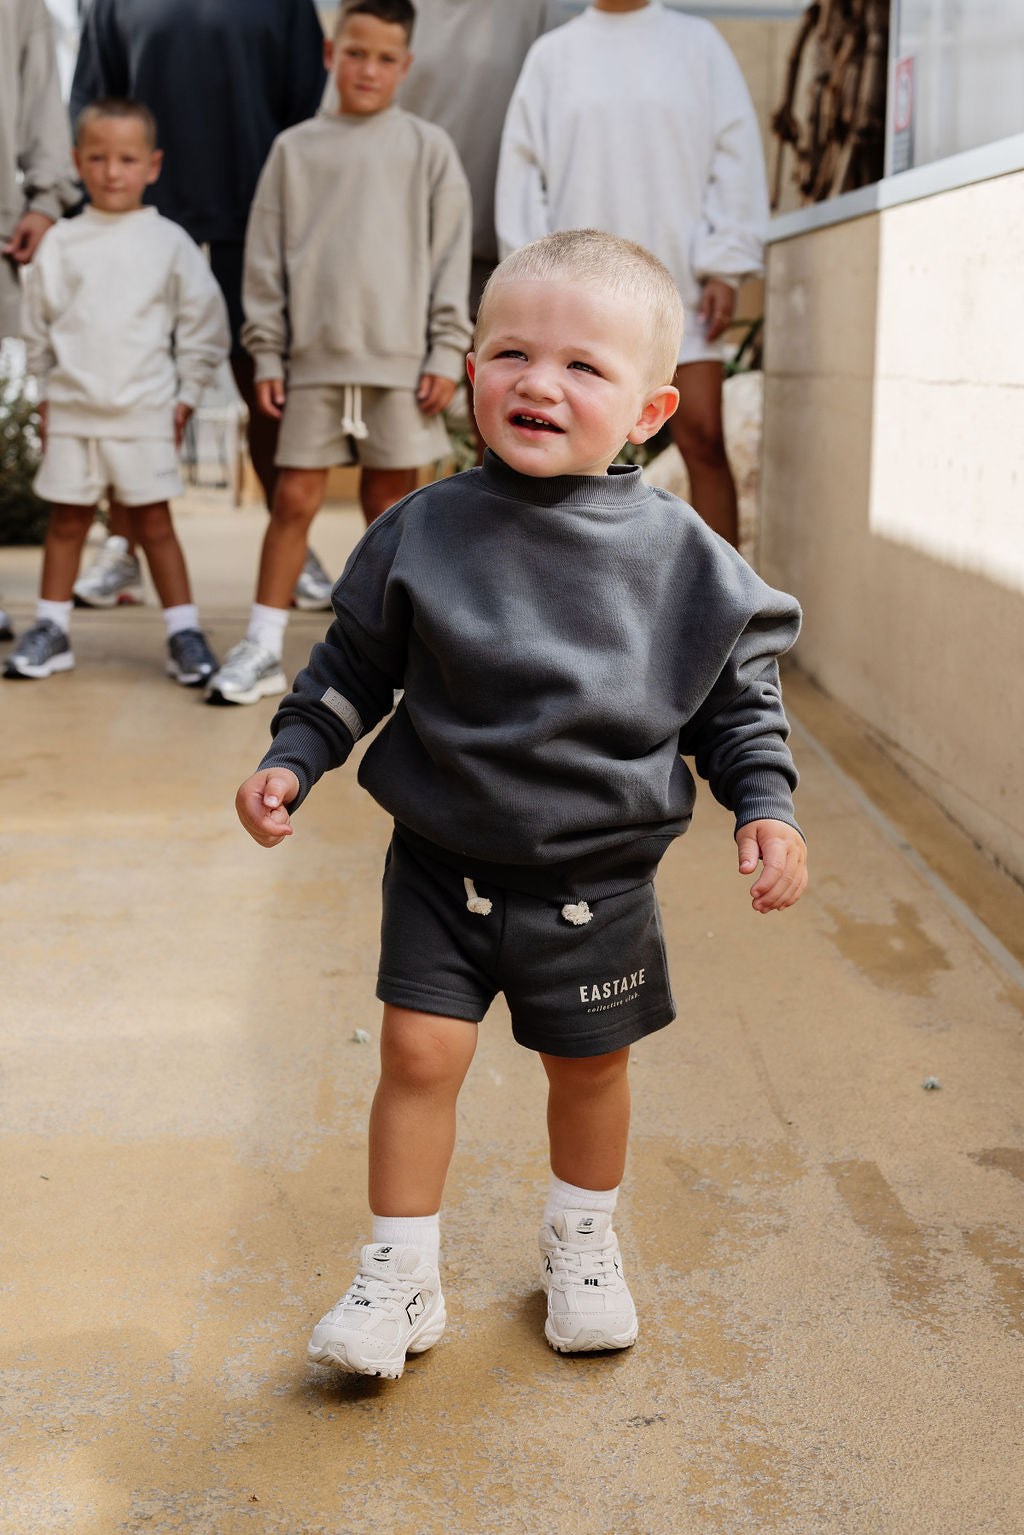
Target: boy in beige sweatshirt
356, 299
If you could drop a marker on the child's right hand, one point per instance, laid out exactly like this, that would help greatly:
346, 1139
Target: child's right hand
270, 397
261, 802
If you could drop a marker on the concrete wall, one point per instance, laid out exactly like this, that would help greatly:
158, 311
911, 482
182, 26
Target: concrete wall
893, 485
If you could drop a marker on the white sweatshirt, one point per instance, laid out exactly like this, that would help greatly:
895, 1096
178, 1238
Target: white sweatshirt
123, 319
639, 123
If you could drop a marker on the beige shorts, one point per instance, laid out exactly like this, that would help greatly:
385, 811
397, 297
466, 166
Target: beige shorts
324, 425
138, 471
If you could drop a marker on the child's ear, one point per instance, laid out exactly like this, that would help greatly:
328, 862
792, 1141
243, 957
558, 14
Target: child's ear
659, 405
156, 161
471, 366
328, 54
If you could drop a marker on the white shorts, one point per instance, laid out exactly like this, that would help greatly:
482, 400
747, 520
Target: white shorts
696, 347
138, 471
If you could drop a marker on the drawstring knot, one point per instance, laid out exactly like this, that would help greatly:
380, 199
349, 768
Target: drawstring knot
579, 914
479, 905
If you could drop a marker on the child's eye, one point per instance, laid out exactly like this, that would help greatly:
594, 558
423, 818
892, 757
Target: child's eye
583, 366
511, 352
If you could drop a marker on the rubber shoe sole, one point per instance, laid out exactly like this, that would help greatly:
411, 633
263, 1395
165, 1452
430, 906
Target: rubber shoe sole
127, 597
427, 1331
22, 671
188, 679
276, 683
591, 1340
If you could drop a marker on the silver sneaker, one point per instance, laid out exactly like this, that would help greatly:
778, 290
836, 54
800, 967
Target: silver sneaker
43, 649
589, 1304
6, 627
249, 673
114, 576
313, 589
393, 1307
190, 660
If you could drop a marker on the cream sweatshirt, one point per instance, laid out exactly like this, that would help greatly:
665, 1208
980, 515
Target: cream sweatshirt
357, 254
639, 123
123, 319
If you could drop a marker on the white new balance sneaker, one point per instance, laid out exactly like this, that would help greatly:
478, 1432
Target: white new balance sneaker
114, 577
394, 1307
313, 589
249, 673
589, 1304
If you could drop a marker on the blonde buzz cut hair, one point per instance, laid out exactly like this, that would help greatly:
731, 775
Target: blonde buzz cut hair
620, 267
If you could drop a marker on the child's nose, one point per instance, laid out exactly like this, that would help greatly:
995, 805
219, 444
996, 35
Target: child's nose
539, 382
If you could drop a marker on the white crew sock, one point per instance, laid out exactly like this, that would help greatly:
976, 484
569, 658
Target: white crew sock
420, 1231
184, 616
266, 628
566, 1196
58, 613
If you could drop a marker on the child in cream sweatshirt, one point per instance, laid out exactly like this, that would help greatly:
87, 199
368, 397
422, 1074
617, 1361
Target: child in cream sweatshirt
125, 326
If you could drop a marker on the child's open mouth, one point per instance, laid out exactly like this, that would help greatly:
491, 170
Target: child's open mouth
535, 424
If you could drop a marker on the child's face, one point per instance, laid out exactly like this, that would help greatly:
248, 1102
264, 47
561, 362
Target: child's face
116, 163
369, 60
561, 377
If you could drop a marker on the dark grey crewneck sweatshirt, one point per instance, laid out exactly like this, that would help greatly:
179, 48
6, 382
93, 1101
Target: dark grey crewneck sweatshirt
560, 642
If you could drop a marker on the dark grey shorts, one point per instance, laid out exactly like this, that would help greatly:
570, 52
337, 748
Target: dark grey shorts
572, 990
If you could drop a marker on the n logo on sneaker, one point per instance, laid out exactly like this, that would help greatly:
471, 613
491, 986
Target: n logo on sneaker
415, 1308
585, 1226
382, 1253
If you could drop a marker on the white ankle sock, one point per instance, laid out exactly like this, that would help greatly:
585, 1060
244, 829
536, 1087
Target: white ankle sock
420, 1231
58, 613
184, 616
566, 1196
267, 626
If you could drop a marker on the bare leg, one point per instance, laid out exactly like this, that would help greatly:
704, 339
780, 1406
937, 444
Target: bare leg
298, 496
154, 532
119, 521
697, 430
588, 1118
62, 554
424, 1059
381, 488
262, 430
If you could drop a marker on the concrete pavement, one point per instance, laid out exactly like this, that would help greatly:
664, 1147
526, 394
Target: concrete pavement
826, 1257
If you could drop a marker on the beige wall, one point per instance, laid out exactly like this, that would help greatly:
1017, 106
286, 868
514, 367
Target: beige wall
893, 485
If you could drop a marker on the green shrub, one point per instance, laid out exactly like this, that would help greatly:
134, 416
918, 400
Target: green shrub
23, 516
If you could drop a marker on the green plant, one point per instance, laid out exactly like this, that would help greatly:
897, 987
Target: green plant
23, 516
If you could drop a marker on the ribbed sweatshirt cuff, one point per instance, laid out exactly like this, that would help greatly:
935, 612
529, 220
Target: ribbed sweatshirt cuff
307, 753
765, 796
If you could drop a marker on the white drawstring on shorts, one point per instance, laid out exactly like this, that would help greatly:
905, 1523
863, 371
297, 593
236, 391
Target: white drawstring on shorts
352, 423
579, 914
479, 905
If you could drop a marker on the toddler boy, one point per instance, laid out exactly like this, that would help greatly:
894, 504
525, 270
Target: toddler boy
125, 327
563, 632
356, 287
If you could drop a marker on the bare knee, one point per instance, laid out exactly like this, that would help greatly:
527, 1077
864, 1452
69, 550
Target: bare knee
591, 1074
152, 526
701, 441
69, 524
297, 497
421, 1060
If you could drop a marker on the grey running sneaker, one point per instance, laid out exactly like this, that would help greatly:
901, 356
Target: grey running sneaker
313, 588
114, 576
589, 1304
190, 660
394, 1307
43, 649
249, 673
6, 627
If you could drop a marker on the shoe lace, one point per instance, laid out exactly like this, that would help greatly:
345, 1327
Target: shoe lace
37, 643
189, 645
578, 1263
388, 1293
245, 654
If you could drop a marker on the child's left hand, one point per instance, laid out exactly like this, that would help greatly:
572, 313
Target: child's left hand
783, 852
434, 393
181, 415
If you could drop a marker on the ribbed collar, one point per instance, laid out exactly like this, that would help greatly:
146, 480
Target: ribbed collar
98, 216
622, 486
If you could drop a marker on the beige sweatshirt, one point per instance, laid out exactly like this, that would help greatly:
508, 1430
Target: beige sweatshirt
357, 254
123, 319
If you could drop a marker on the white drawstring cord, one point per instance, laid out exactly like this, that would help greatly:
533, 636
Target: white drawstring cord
479, 905
579, 914
352, 423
